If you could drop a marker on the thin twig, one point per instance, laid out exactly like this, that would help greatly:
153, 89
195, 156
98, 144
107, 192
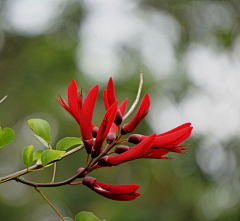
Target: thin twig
37, 166
54, 172
3, 99
50, 203
137, 97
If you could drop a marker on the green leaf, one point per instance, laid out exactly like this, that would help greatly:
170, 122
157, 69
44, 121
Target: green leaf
37, 154
50, 155
6, 136
68, 142
41, 128
27, 155
68, 219
86, 216
41, 140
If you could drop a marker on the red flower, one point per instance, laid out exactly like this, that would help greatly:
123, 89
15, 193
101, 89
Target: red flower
114, 192
168, 141
74, 101
86, 118
140, 114
104, 129
130, 154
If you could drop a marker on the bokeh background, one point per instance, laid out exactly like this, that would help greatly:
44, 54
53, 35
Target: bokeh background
189, 52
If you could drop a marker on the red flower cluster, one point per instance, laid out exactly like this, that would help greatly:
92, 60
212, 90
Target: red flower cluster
153, 146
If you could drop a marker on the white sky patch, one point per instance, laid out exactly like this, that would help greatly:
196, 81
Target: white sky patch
108, 28
31, 17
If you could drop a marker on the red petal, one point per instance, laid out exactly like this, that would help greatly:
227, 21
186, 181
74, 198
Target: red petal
111, 92
132, 153
73, 100
64, 104
105, 99
104, 128
120, 197
170, 139
87, 113
140, 114
176, 129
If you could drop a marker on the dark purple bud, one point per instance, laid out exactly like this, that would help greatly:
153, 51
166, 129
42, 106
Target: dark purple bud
103, 161
118, 118
82, 174
95, 132
89, 181
111, 137
88, 145
121, 149
135, 138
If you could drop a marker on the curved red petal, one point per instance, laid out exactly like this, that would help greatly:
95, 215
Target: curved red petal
105, 99
87, 113
111, 92
133, 152
73, 100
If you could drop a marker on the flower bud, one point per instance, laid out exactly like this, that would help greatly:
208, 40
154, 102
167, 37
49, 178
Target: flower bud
118, 118
95, 132
135, 138
82, 174
111, 137
103, 161
121, 148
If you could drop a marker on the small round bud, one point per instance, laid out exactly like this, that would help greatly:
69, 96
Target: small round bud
103, 161
95, 132
135, 138
111, 137
118, 118
121, 149
82, 174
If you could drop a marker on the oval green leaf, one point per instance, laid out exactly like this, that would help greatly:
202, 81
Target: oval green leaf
6, 136
27, 155
41, 140
37, 154
41, 128
68, 219
86, 216
50, 155
68, 142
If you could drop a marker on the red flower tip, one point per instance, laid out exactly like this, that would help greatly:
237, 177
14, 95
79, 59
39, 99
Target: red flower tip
141, 148
114, 192
104, 129
87, 113
111, 92
140, 114
105, 99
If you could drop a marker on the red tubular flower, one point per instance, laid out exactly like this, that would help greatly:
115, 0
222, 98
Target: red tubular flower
168, 141
104, 129
140, 114
113, 192
86, 118
74, 101
131, 154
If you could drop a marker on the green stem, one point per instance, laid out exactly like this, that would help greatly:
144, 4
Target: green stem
50, 203
36, 166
